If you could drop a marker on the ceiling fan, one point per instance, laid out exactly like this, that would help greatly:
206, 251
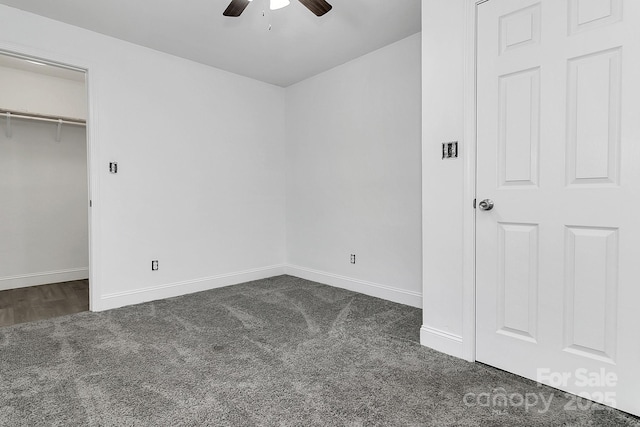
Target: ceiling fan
319, 7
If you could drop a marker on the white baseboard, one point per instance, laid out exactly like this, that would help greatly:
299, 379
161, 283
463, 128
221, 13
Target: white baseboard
43, 278
137, 296
442, 341
389, 293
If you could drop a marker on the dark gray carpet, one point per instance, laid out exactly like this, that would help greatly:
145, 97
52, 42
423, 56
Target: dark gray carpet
281, 351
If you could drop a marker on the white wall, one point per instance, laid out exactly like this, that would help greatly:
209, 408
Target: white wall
443, 64
31, 92
353, 174
43, 214
201, 159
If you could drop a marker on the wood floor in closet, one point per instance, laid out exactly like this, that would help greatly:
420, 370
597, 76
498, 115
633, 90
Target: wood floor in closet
43, 302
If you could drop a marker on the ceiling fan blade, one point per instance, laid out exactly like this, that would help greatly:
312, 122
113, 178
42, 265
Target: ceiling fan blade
319, 7
236, 7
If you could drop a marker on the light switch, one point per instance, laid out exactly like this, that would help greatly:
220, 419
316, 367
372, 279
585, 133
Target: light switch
450, 150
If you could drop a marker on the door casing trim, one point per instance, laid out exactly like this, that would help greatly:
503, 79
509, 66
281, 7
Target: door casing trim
469, 189
66, 61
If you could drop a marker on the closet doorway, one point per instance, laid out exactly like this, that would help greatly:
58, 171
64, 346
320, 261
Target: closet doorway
44, 191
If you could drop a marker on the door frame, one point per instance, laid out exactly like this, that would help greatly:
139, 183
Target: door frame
469, 179
93, 177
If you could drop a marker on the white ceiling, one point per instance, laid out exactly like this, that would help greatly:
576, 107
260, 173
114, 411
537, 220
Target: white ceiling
299, 44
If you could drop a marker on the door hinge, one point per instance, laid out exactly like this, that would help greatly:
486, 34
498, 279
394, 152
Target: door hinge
90, 203
474, 203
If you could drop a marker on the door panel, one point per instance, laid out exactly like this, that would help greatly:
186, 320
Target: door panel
519, 127
558, 152
593, 119
585, 15
591, 282
517, 291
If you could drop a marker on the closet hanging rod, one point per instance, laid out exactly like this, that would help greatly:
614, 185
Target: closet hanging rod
43, 118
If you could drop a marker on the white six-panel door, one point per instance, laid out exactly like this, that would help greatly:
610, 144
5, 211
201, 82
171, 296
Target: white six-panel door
558, 134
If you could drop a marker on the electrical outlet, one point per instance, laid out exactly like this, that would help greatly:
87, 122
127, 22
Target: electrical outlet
113, 167
154, 265
353, 258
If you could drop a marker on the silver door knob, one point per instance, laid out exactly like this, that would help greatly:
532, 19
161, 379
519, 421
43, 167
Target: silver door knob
486, 205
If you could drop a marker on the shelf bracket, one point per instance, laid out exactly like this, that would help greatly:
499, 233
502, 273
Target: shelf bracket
59, 130
8, 129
